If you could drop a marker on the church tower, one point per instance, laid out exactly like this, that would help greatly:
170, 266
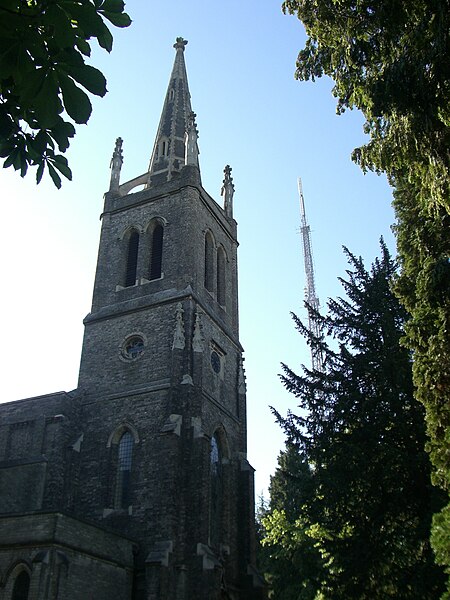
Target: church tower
162, 448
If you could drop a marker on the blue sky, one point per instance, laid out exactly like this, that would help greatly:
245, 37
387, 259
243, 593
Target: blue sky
251, 114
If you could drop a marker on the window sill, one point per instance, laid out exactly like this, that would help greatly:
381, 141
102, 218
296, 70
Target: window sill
144, 280
107, 512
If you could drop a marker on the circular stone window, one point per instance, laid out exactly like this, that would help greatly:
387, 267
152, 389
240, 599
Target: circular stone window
133, 347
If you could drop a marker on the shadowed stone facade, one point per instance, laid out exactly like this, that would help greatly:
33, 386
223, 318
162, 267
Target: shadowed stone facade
136, 485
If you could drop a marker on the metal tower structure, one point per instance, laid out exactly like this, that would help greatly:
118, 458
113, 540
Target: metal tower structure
310, 287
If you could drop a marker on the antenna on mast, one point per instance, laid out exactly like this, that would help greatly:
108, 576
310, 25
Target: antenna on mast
310, 287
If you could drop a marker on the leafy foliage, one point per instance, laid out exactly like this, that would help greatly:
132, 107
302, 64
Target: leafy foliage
352, 495
292, 565
424, 286
43, 45
390, 59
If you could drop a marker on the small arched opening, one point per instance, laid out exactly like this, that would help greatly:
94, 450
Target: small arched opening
132, 251
156, 251
21, 586
221, 261
209, 262
123, 470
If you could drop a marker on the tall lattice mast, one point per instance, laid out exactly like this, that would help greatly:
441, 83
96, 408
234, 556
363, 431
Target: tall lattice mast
310, 288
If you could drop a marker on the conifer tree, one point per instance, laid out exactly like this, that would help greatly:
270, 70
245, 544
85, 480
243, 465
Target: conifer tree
363, 500
391, 60
292, 565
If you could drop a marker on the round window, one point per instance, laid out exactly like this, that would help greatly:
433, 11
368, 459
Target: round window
133, 347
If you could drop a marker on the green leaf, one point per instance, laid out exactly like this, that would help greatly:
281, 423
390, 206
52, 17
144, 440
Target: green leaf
14, 60
119, 20
115, 6
61, 132
32, 85
40, 171
68, 57
38, 146
60, 162
34, 44
86, 18
23, 164
83, 47
63, 34
105, 39
54, 175
9, 4
11, 158
6, 147
76, 102
90, 78
47, 104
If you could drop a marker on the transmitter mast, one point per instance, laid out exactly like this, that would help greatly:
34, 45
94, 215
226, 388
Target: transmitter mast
310, 288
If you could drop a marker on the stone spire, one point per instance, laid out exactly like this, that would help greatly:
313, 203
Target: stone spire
168, 155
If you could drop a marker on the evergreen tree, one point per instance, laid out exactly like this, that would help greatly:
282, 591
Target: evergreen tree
423, 239
291, 564
390, 59
363, 499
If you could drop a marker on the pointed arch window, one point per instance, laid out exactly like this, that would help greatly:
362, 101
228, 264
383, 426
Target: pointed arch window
156, 252
132, 258
216, 492
21, 586
209, 262
221, 276
123, 474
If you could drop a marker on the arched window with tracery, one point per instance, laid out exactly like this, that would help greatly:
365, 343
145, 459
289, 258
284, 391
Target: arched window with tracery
156, 250
221, 276
209, 262
123, 473
216, 492
21, 586
131, 258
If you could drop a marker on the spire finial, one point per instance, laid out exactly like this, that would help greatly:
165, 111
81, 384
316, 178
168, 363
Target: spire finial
180, 44
227, 192
116, 165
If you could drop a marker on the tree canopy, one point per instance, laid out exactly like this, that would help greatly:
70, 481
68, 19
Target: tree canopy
43, 46
351, 501
388, 58
391, 60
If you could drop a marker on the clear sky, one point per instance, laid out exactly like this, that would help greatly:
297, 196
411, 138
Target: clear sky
251, 114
